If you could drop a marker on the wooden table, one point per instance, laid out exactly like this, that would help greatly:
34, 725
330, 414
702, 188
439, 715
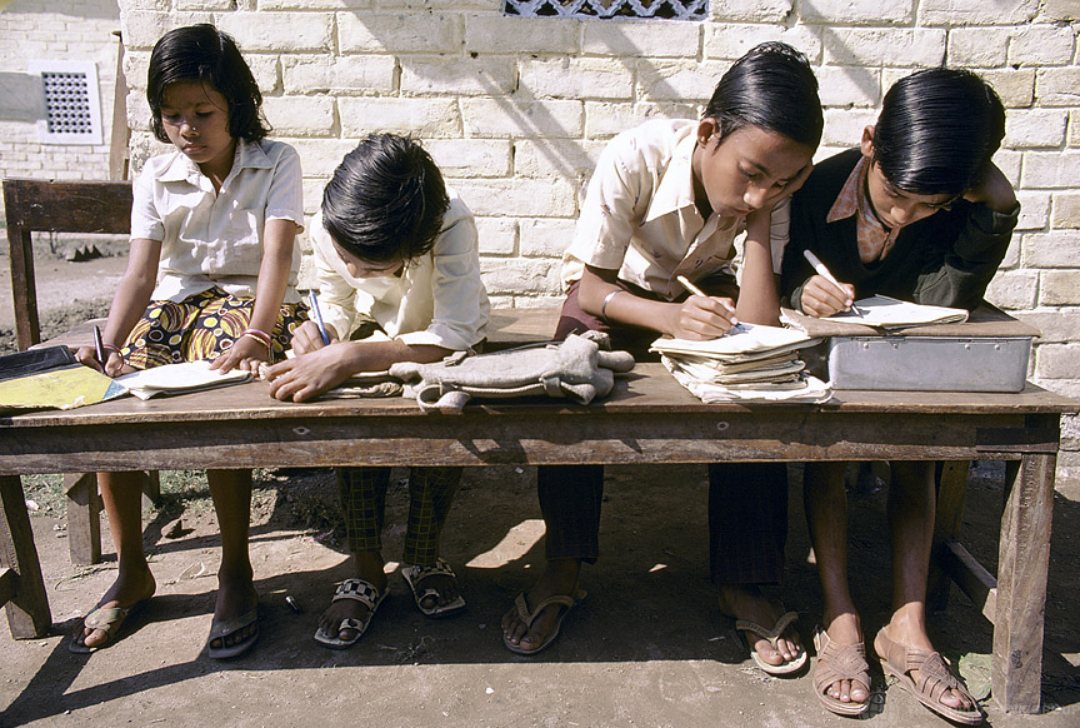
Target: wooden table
648, 419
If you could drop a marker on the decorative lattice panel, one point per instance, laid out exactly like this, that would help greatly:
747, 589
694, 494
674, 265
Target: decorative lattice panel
669, 9
72, 103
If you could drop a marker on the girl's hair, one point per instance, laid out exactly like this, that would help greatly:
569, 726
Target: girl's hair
771, 87
937, 131
386, 200
204, 53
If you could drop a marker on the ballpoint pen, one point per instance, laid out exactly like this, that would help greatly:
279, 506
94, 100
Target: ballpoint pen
313, 302
99, 346
822, 271
698, 292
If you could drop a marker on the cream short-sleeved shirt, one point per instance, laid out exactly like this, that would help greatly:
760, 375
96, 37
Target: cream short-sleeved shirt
640, 217
439, 300
213, 238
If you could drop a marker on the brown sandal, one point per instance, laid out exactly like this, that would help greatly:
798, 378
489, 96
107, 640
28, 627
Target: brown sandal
935, 677
840, 662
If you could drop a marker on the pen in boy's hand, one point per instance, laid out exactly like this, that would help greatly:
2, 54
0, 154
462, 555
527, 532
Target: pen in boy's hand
822, 271
698, 292
313, 302
99, 346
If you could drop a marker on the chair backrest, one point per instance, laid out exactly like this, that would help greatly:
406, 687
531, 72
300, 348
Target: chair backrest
63, 207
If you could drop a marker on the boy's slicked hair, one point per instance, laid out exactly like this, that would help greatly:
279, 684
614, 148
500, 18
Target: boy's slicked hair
771, 87
204, 53
937, 131
386, 200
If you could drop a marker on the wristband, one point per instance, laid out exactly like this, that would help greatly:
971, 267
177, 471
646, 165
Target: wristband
260, 335
110, 347
607, 300
256, 337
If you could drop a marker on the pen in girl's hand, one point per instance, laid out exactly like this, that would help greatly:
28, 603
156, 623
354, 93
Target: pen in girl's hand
822, 271
99, 346
698, 292
313, 302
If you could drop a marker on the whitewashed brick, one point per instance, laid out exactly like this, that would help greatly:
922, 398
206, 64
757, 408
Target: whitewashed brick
979, 47
1034, 128
320, 157
1060, 288
471, 158
317, 4
204, 5
1034, 210
1074, 128
1011, 261
1066, 212
399, 33
976, 12
577, 78
143, 28
519, 198
546, 238
1053, 170
486, 76
857, 12
642, 39
903, 47
313, 192
550, 158
518, 36
1054, 361
427, 118
517, 276
265, 70
300, 116
437, 6
604, 120
1055, 326
761, 11
1010, 162
338, 75
1013, 290
496, 235
1061, 10
512, 118
725, 41
1059, 249
849, 86
130, 5
681, 82
1043, 45
844, 127
1058, 86
1015, 87
279, 31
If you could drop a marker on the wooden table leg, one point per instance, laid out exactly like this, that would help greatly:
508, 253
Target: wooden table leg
1023, 561
83, 518
952, 487
28, 610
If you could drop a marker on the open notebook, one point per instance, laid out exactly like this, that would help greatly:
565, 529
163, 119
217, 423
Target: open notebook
192, 376
884, 312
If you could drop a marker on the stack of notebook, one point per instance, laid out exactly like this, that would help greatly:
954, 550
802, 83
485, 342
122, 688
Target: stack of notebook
758, 363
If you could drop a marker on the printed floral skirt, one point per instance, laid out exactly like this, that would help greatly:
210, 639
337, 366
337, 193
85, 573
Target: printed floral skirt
202, 326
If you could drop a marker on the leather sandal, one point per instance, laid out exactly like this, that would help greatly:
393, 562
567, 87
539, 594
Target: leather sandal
935, 678
772, 635
837, 662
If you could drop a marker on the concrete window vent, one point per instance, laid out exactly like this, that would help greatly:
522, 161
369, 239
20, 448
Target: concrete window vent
608, 9
72, 102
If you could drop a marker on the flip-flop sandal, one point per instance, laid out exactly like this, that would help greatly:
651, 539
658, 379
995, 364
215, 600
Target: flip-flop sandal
935, 678
772, 635
837, 662
222, 629
561, 600
108, 621
414, 577
358, 590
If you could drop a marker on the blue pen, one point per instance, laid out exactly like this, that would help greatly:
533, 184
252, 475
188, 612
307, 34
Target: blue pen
313, 302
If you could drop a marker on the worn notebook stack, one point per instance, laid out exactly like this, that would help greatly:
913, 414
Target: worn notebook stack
750, 363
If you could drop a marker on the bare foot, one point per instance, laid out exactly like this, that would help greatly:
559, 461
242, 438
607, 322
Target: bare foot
845, 629
559, 578
236, 596
369, 567
745, 601
127, 591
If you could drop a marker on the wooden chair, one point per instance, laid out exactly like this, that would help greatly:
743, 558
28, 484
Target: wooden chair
64, 207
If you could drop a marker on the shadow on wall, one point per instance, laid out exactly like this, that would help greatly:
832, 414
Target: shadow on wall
21, 98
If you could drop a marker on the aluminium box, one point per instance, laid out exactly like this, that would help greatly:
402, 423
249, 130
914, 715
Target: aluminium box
988, 353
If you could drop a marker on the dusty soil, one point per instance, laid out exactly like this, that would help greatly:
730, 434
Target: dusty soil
648, 647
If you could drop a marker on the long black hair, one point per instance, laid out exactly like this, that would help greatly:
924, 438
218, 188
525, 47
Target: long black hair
937, 131
204, 53
772, 87
386, 200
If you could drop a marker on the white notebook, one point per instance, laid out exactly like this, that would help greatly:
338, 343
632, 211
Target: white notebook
884, 312
191, 376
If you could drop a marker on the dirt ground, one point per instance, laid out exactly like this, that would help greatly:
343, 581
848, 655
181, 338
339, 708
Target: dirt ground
647, 648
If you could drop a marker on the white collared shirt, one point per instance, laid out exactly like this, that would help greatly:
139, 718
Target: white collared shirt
640, 215
213, 238
440, 299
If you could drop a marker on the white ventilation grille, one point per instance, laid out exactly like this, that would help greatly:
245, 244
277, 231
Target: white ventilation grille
72, 102
604, 9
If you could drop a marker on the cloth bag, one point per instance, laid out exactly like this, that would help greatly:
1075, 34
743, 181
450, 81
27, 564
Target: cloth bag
580, 368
